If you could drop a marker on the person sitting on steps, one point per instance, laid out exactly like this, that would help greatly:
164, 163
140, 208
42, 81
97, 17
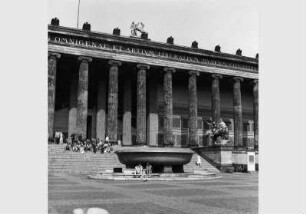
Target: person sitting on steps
138, 171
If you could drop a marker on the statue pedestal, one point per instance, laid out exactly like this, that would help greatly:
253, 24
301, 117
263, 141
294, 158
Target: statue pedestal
220, 155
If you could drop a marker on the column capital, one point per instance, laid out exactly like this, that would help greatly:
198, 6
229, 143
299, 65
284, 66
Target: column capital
55, 55
167, 69
114, 63
216, 76
197, 73
143, 66
237, 79
85, 58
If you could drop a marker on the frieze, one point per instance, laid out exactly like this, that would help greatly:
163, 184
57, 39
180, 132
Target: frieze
149, 52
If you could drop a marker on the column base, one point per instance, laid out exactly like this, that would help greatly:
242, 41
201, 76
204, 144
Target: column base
141, 144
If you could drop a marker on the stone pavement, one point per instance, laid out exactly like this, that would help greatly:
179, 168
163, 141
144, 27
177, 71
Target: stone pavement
232, 194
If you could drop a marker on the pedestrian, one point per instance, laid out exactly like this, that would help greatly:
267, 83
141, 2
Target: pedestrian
138, 170
198, 163
107, 139
148, 170
61, 138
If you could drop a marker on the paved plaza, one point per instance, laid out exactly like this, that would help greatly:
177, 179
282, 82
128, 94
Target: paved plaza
232, 193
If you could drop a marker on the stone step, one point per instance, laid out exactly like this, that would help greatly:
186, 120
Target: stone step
205, 166
81, 158
78, 153
100, 167
84, 166
60, 156
60, 160
67, 155
80, 162
96, 165
88, 162
67, 161
63, 157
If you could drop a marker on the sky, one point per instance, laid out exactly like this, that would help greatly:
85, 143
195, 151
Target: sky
231, 24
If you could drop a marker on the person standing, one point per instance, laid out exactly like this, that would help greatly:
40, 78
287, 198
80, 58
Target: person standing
199, 162
61, 138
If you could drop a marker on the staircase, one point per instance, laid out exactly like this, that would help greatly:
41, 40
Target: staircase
205, 165
60, 160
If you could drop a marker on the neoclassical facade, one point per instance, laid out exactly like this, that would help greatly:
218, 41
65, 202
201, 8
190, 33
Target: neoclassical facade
147, 93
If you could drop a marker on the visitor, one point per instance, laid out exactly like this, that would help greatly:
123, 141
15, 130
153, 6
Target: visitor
110, 146
138, 170
61, 138
87, 146
94, 145
72, 137
100, 146
198, 163
106, 139
81, 148
105, 147
119, 142
75, 146
68, 147
148, 169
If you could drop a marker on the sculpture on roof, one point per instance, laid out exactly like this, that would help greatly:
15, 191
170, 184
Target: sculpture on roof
137, 27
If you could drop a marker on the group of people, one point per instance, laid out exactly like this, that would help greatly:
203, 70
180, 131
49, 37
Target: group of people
140, 172
82, 145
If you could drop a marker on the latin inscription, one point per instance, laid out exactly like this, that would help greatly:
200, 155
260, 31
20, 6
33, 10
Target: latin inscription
147, 52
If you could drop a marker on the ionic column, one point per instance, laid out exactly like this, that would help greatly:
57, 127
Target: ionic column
72, 117
112, 124
168, 106
193, 108
82, 106
127, 113
101, 108
237, 110
215, 99
255, 111
141, 104
52, 67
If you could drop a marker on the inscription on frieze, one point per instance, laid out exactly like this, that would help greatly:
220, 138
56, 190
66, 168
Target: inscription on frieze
149, 52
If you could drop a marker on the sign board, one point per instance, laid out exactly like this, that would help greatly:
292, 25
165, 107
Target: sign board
251, 161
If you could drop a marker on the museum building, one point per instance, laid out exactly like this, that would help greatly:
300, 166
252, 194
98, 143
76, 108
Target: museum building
144, 92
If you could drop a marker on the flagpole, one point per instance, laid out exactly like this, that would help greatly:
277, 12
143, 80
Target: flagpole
78, 14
